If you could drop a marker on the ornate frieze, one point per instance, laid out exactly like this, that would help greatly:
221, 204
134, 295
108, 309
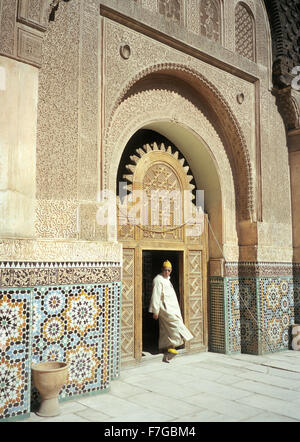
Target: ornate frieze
22, 250
170, 9
22, 26
16, 274
210, 19
35, 13
247, 269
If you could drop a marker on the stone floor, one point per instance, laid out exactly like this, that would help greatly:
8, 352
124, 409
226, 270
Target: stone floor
205, 387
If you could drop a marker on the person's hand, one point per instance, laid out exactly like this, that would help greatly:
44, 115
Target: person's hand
155, 316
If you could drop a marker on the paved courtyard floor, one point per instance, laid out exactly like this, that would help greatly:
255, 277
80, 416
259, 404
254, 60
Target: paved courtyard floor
205, 387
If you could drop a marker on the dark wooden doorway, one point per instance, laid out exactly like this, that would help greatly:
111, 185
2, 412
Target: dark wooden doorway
152, 262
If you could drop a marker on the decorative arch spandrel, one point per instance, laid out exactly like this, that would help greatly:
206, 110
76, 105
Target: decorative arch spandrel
221, 115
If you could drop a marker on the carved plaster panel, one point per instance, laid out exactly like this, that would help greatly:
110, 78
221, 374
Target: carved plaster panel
68, 120
34, 13
88, 157
7, 26
171, 9
89, 229
144, 54
197, 28
151, 5
56, 219
192, 19
58, 251
22, 27
244, 32
29, 46
58, 107
210, 19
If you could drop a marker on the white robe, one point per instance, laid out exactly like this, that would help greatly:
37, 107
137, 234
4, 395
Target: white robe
164, 303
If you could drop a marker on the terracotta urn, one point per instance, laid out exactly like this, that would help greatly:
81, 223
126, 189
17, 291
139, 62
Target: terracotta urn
49, 378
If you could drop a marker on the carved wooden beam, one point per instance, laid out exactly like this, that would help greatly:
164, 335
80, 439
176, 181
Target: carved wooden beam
284, 17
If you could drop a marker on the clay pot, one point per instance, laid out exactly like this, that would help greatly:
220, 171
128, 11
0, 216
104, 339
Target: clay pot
49, 378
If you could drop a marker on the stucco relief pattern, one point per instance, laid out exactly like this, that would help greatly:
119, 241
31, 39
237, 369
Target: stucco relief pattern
146, 54
88, 156
57, 132
7, 25
244, 32
56, 219
58, 251
150, 4
171, 9
116, 34
192, 19
210, 19
67, 139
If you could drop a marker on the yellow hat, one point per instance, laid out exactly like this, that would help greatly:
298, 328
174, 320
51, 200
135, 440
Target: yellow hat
167, 265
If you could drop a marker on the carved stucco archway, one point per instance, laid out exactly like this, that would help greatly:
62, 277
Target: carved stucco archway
157, 104
173, 111
193, 87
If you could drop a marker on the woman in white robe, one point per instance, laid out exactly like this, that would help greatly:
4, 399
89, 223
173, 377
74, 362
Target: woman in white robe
164, 306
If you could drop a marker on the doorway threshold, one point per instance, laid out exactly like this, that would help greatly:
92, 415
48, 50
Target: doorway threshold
146, 356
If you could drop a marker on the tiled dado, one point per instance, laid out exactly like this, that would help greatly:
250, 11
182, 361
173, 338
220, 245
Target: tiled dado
15, 351
67, 320
225, 326
256, 313
76, 324
267, 312
276, 297
232, 317
297, 299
